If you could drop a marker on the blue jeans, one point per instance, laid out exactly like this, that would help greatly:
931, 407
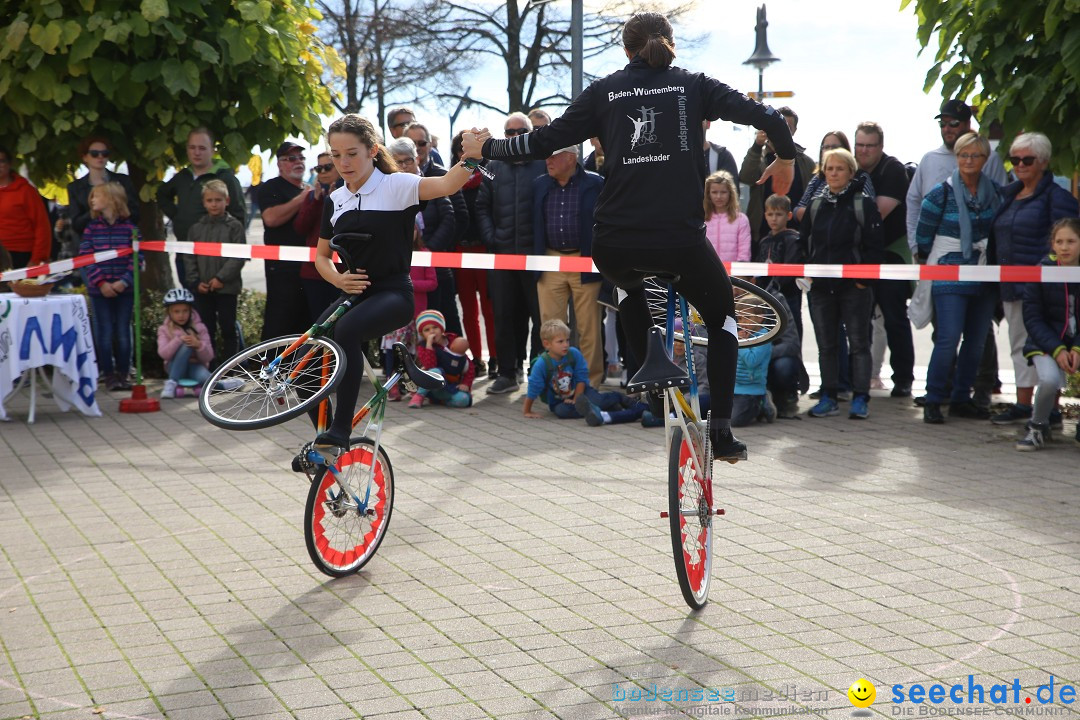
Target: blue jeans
451, 395
609, 401
182, 368
112, 331
958, 315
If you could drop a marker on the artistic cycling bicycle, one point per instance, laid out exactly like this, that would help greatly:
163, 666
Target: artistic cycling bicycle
351, 496
691, 502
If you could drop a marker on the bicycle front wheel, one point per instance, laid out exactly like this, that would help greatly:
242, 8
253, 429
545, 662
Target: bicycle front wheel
259, 387
690, 513
342, 533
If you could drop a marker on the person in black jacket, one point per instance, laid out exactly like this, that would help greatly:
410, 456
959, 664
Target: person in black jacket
504, 211
649, 216
1052, 319
834, 231
95, 152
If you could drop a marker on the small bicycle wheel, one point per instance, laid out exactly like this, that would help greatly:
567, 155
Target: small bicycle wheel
340, 535
759, 316
690, 512
257, 387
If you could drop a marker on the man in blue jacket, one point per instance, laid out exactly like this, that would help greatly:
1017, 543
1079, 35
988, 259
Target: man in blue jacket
563, 205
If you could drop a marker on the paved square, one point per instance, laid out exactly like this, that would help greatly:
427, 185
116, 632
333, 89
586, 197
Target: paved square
154, 566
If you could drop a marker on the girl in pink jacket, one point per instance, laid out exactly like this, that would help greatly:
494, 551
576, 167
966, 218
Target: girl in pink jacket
727, 229
183, 343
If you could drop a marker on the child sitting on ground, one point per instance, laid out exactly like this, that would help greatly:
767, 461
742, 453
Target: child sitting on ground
443, 353
183, 343
751, 400
1052, 319
560, 376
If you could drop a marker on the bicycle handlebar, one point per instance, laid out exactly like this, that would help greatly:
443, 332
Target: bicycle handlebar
342, 252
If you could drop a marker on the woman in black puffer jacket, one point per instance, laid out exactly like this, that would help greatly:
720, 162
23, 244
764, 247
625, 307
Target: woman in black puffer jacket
833, 232
1021, 236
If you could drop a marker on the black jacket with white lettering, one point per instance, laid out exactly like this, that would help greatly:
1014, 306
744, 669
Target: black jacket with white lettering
649, 123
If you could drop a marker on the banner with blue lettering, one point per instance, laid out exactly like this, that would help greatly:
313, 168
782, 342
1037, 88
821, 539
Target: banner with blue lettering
50, 331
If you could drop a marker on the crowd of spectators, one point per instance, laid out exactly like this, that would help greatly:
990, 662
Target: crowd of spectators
852, 204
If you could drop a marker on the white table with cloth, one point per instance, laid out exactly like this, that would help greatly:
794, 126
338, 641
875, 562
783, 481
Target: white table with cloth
48, 331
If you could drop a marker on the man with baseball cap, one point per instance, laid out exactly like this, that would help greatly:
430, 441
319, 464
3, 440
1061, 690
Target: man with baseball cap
280, 199
938, 164
563, 204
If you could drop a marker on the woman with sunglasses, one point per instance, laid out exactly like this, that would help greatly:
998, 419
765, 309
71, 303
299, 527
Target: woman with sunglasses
1029, 208
649, 215
95, 152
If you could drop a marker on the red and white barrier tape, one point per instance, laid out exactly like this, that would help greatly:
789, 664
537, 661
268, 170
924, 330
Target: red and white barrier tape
559, 263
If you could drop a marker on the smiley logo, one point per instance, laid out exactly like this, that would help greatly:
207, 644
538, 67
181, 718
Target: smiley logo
862, 693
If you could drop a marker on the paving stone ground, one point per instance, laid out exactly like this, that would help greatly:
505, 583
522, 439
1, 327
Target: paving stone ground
153, 566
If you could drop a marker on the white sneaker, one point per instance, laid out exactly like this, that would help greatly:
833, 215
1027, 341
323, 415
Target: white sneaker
169, 391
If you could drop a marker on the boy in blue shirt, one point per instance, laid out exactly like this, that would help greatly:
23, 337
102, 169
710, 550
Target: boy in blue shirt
560, 376
751, 377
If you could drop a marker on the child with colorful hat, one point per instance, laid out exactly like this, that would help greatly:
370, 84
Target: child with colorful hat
443, 353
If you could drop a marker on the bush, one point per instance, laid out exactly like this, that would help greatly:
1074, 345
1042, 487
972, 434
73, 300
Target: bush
249, 313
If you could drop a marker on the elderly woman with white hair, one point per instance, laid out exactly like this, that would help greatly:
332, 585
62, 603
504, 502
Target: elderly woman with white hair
1021, 236
954, 229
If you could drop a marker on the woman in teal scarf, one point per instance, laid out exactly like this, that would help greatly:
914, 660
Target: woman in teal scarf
954, 229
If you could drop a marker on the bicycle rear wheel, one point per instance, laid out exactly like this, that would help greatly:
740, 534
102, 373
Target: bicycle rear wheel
690, 513
250, 391
340, 535
756, 311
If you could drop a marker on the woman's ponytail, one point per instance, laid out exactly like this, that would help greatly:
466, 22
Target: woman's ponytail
649, 35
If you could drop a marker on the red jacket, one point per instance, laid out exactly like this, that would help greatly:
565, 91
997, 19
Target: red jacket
24, 223
427, 359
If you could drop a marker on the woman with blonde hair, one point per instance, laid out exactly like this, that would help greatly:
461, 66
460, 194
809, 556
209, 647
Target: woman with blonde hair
727, 229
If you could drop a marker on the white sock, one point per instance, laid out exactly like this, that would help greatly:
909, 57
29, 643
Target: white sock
605, 416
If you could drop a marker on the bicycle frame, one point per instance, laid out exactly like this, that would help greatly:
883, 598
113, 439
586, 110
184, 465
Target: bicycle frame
374, 411
688, 412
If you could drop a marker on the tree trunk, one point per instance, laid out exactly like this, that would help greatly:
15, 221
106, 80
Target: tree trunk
158, 273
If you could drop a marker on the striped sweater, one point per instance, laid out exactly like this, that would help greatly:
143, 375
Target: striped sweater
100, 236
941, 216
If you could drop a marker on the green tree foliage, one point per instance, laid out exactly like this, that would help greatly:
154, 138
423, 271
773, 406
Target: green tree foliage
143, 72
1019, 60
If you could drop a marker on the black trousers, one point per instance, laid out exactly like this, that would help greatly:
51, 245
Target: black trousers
286, 307
892, 296
703, 282
218, 311
515, 305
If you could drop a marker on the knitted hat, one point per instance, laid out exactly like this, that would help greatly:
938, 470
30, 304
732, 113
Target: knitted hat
430, 316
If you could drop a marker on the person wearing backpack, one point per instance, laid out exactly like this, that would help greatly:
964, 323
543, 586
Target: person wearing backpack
560, 377
891, 184
842, 227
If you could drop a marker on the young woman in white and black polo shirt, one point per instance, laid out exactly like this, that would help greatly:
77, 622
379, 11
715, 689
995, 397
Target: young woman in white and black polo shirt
380, 201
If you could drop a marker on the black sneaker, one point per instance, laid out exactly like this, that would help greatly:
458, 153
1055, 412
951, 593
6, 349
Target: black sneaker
901, 390
1014, 413
502, 385
493, 368
920, 401
931, 414
968, 410
727, 447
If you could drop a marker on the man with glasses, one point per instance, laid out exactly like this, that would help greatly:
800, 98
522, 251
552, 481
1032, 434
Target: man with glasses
280, 199
398, 119
444, 298
938, 164
504, 211
890, 183
181, 197
308, 222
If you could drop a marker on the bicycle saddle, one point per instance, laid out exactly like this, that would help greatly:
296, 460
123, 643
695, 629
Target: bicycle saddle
658, 371
661, 275
421, 378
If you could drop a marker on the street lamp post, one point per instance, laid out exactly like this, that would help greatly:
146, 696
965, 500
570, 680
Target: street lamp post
762, 57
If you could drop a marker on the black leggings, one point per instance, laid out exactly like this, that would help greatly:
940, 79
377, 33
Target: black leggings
375, 314
704, 283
